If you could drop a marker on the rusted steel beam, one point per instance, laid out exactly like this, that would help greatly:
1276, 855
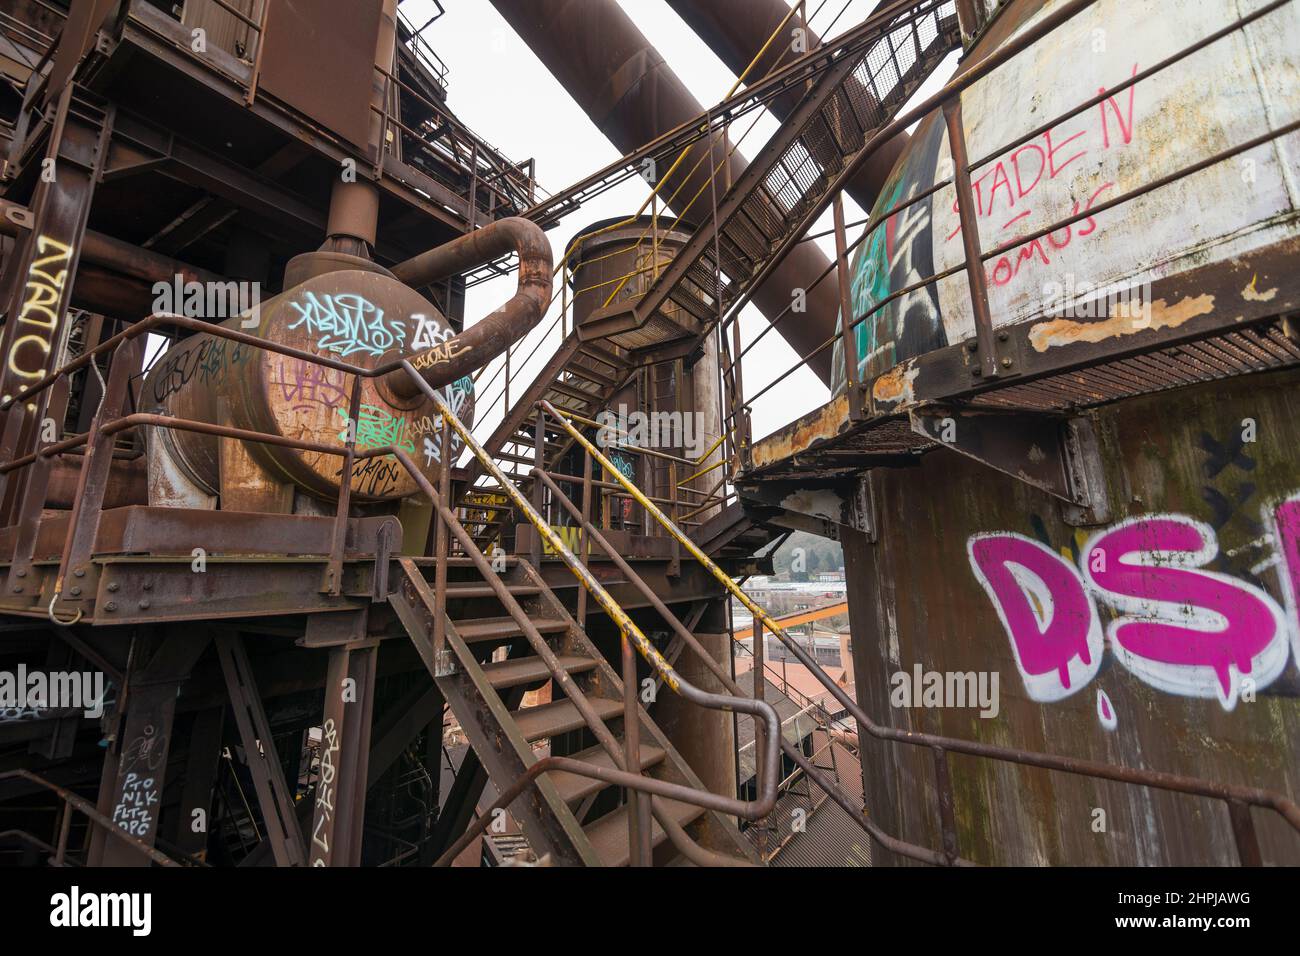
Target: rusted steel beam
273, 795
136, 766
44, 267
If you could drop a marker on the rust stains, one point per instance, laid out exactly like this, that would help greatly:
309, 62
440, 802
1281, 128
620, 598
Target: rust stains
895, 385
1161, 315
821, 425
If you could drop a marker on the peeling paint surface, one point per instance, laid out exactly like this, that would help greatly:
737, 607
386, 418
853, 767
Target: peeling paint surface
1251, 294
817, 426
1148, 131
895, 385
1057, 332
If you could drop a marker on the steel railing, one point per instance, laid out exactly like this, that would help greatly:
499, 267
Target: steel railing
948, 101
1238, 799
109, 421
71, 802
633, 641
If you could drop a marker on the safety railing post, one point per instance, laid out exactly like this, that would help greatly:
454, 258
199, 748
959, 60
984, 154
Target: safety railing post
256, 71
849, 341
92, 483
473, 187
65, 826
539, 461
760, 741
947, 814
1243, 833
441, 543
564, 300
638, 839
586, 538
333, 583
986, 364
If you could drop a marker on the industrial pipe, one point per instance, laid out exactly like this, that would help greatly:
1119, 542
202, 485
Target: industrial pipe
448, 361
622, 83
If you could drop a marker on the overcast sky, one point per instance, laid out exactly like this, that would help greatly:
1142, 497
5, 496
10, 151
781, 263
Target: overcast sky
488, 65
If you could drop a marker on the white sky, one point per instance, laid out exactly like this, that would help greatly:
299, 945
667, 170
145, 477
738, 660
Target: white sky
488, 64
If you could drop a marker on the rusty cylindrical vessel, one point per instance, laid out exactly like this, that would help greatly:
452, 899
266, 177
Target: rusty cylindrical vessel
360, 314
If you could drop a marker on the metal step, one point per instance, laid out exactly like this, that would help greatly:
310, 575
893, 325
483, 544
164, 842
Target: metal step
530, 670
481, 629
468, 589
574, 787
561, 716
609, 836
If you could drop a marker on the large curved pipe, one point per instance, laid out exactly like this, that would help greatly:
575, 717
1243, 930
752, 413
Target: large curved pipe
736, 30
447, 361
612, 71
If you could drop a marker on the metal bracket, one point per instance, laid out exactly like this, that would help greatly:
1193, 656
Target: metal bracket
1053, 454
820, 506
383, 555
444, 663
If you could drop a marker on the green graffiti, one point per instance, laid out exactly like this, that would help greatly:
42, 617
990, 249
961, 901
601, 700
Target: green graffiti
377, 428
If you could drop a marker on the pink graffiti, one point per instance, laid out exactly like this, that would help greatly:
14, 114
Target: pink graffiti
1054, 629
1173, 624
306, 386
1286, 525
1009, 183
1178, 615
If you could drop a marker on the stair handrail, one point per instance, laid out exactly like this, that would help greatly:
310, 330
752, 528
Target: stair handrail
73, 801
1238, 798
675, 624
697, 854
746, 809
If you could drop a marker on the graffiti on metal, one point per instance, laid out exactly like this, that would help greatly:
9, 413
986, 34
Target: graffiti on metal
347, 324
29, 353
1113, 148
1170, 621
377, 428
429, 429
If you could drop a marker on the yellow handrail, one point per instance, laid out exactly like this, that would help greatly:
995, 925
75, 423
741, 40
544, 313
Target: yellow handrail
668, 525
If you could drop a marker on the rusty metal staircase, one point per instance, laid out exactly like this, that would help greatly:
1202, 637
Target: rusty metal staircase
581, 378
862, 89
611, 789
485, 673
858, 94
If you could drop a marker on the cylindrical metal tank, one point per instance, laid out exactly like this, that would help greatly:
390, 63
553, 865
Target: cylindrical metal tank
360, 314
622, 83
604, 257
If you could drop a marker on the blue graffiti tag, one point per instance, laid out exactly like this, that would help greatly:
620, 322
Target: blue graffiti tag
348, 323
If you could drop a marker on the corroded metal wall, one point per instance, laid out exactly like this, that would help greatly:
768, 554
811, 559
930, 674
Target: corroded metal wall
1222, 95
1166, 638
